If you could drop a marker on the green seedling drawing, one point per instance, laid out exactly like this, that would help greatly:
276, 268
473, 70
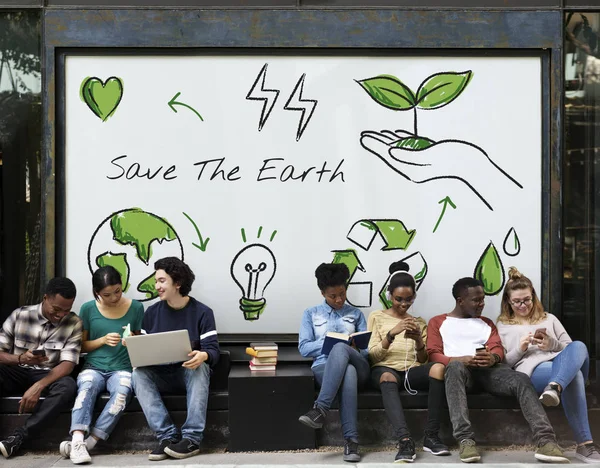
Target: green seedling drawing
174, 102
102, 98
512, 244
436, 91
118, 262
489, 271
203, 243
418, 158
446, 201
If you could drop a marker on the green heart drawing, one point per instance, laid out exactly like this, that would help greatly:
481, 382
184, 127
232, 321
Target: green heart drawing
102, 98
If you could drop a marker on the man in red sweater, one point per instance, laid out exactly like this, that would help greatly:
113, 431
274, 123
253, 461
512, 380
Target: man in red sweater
470, 348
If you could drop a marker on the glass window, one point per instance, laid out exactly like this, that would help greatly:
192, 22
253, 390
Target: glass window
581, 208
20, 152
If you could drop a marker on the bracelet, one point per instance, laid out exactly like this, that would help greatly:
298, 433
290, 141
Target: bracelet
19, 358
390, 338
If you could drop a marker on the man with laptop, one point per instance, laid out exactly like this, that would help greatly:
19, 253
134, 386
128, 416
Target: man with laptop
177, 311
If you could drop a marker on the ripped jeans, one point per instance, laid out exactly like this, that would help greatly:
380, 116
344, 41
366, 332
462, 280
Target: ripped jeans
92, 382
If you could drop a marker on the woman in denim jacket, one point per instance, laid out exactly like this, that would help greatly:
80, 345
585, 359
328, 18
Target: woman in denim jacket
345, 369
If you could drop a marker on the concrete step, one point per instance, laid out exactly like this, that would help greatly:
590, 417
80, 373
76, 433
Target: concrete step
505, 427
330, 458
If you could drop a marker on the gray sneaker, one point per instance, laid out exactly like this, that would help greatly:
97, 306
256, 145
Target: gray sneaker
551, 395
588, 453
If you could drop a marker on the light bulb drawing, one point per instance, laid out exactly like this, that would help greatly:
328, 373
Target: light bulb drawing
252, 269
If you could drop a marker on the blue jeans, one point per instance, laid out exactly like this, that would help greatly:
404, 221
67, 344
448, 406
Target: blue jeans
149, 382
570, 370
90, 383
343, 372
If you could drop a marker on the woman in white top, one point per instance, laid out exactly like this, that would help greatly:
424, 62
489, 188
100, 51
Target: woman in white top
538, 345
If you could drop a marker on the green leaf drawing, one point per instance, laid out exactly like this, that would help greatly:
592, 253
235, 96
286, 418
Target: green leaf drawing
389, 91
414, 144
489, 271
441, 89
119, 262
512, 244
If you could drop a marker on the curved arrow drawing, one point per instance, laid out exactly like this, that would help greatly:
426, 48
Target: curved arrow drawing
173, 102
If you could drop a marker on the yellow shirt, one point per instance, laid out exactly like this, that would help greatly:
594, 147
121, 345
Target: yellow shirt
401, 354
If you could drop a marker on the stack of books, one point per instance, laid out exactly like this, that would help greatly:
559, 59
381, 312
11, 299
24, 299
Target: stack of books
264, 356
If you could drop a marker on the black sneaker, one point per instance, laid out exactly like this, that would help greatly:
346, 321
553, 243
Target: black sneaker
158, 453
314, 418
184, 449
11, 445
433, 444
351, 451
406, 452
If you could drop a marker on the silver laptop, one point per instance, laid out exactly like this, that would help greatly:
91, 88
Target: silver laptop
159, 348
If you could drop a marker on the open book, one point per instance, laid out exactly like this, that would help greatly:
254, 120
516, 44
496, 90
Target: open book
361, 340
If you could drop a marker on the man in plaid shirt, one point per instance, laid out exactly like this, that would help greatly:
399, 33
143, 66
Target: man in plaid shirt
39, 347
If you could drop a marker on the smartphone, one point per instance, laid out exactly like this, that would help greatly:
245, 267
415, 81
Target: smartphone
481, 348
539, 333
39, 352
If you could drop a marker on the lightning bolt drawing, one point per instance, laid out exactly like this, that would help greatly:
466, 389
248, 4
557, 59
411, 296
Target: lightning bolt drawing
268, 96
302, 105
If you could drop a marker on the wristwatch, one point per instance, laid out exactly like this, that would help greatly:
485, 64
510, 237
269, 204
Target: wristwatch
390, 338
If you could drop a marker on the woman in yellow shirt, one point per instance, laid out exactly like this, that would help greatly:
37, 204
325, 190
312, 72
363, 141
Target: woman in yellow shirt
399, 358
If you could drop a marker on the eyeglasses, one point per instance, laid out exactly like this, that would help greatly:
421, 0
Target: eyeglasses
408, 300
527, 301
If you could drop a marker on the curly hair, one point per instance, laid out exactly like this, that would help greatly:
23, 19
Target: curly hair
180, 273
331, 275
518, 281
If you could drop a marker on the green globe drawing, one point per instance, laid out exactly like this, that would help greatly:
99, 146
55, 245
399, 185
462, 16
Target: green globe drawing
131, 241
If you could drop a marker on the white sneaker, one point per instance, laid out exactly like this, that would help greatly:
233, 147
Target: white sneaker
65, 448
79, 453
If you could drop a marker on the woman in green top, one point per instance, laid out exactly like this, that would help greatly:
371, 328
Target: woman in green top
107, 366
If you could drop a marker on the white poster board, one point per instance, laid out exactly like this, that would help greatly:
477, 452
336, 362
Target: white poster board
364, 160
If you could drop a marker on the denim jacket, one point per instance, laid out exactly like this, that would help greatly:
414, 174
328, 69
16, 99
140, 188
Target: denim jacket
319, 320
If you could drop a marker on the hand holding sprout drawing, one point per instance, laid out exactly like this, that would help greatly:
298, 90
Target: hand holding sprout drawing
421, 159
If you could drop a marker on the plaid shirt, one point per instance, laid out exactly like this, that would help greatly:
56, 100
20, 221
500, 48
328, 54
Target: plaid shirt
27, 328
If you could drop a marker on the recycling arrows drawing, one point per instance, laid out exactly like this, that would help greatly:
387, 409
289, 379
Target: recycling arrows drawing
395, 236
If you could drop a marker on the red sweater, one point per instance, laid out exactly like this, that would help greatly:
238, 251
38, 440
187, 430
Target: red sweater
445, 341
